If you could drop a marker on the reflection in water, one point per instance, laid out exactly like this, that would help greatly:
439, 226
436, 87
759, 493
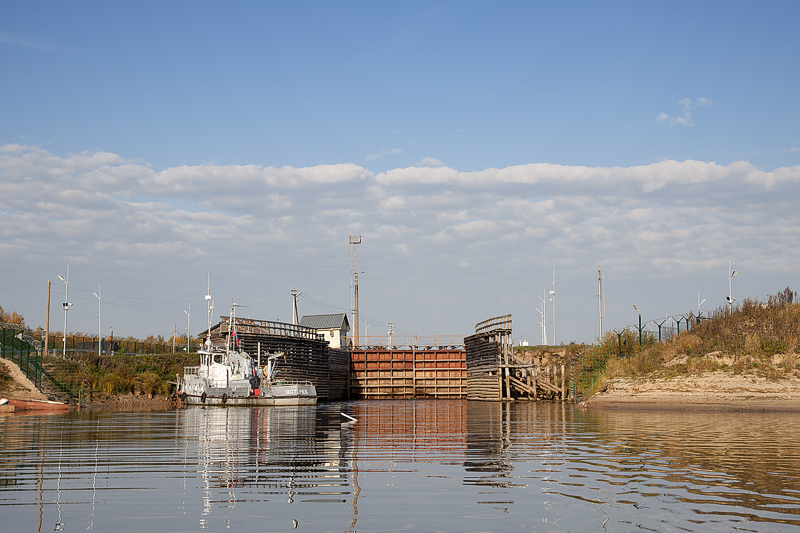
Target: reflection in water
411, 465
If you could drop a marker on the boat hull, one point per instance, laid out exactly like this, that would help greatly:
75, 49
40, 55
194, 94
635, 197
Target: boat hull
249, 401
275, 395
38, 405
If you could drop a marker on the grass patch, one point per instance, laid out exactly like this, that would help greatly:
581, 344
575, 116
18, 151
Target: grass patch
755, 337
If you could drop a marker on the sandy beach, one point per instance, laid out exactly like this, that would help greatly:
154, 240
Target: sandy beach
708, 391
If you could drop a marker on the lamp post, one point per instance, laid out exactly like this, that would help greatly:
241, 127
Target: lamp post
99, 327
731, 275
112, 338
66, 305
640, 324
699, 303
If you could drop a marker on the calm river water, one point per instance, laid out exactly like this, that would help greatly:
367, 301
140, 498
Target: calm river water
404, 466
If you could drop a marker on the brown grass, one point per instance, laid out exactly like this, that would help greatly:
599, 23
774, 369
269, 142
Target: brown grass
5, 377
758, 337
142, 374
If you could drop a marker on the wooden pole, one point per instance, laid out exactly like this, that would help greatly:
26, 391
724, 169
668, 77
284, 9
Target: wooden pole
563, 385
47, 321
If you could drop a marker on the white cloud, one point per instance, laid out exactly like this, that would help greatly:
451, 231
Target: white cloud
791, 150
428, 162
421, 226
383, 152
32, 41
686, 119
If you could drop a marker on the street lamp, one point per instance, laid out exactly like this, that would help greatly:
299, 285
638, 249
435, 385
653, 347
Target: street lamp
99, 327
699, 303
640, 324
731, 275
66, 305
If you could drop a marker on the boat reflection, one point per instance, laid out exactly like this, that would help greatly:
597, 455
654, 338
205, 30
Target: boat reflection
293, 451
477, 465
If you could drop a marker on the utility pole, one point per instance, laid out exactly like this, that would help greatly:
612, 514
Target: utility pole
295, 294
355, 240
47, 321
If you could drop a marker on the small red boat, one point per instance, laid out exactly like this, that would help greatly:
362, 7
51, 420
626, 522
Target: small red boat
37, 405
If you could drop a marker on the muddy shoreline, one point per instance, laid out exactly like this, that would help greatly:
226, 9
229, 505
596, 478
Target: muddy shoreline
710, 391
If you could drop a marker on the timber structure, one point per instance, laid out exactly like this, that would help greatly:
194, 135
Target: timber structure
495, 373
383, 372
307, 355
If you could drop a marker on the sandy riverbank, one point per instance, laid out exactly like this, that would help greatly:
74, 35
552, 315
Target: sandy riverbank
708, 391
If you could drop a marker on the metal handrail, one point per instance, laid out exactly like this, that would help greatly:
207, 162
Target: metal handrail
498, 323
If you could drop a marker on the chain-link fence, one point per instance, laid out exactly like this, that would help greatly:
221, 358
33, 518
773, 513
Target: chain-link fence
17, 346
592, 363
82, 342
72, 370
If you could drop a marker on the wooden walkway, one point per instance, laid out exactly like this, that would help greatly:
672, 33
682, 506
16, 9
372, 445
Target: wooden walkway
495, 372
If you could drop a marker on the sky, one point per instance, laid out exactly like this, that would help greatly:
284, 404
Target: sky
162, 148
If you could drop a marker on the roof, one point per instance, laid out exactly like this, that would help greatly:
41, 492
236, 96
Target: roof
332, 321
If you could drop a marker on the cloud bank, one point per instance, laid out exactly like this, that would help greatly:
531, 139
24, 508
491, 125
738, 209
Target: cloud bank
434, 229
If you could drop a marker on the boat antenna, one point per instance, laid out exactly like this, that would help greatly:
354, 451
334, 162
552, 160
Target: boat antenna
210, 306
232, 328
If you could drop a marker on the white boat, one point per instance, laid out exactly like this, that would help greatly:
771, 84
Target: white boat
231, 377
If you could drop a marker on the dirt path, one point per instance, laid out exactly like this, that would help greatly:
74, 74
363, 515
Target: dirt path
20, 387
708, 391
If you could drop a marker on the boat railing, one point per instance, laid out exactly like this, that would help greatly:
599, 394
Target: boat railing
306, 382
191, 370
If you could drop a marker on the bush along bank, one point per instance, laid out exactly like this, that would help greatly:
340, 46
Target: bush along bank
757, 338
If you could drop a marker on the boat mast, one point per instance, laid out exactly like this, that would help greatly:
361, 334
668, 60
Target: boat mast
210, 307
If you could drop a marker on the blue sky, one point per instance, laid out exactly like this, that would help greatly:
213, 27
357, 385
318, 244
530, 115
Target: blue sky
475, 146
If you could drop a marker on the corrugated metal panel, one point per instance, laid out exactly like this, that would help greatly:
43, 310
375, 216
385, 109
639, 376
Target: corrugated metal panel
331, 321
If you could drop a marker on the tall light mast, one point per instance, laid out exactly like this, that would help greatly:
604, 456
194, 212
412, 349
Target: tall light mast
98, 294
543, 312
66, 308
600, 307
553, 299
355, 240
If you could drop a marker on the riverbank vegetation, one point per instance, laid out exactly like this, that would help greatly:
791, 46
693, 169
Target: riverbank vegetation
123, 373
755, 337
5, 377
